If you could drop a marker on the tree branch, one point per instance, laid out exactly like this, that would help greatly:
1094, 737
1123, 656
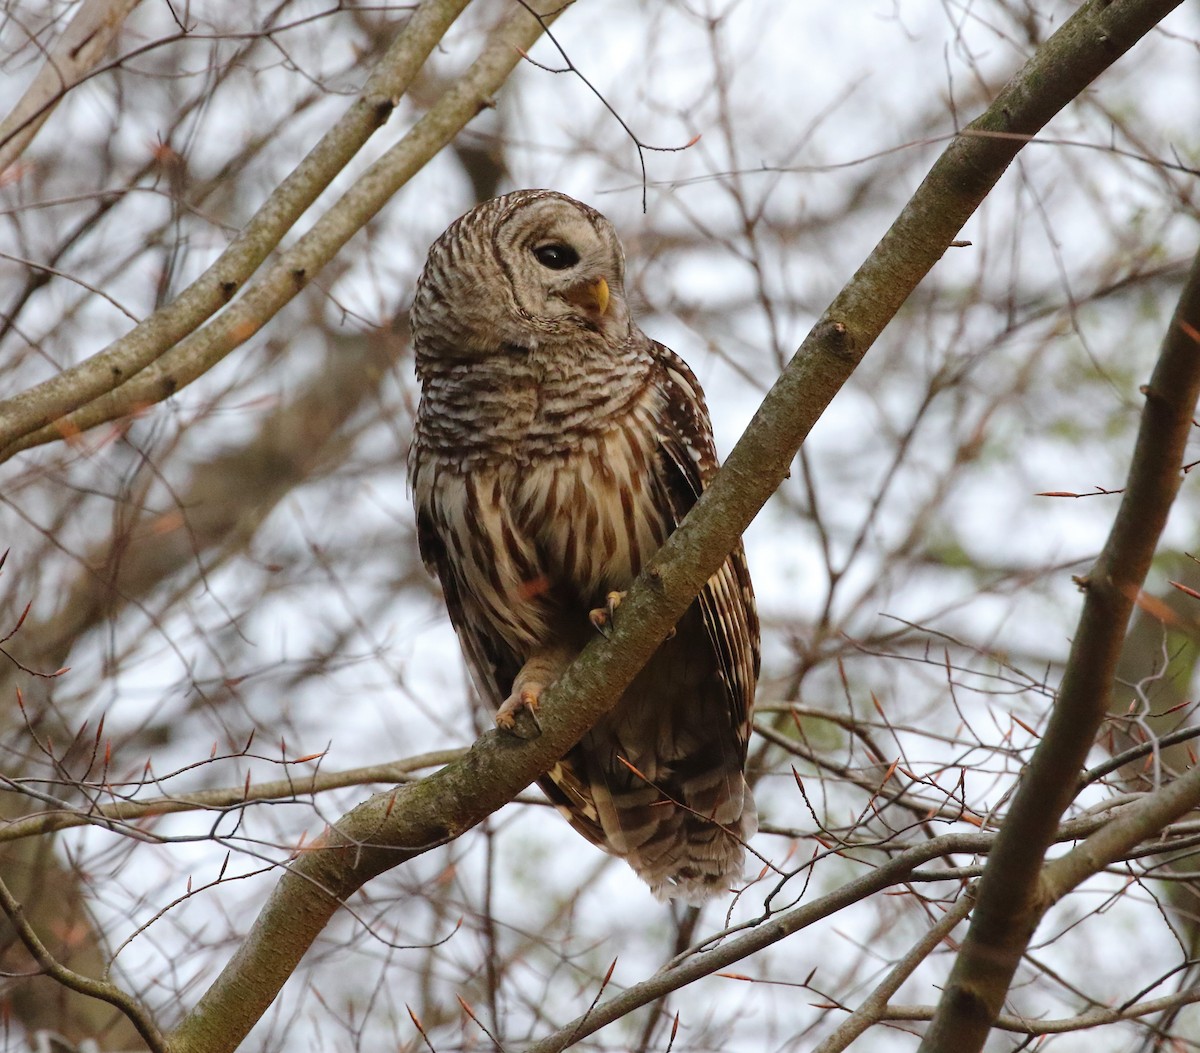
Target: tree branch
875, 1006
1012, 899
1105, 838
1057, 1026
24, 414
193, 356
1130, 826
112, 815
80, 46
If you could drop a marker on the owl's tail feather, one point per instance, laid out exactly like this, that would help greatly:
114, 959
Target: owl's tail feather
685, 841
683, 833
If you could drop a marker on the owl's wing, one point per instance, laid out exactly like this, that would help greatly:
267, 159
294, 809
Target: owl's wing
689, 461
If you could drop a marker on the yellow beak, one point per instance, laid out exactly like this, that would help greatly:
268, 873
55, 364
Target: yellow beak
592, 294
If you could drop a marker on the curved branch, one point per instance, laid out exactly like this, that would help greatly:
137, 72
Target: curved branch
106, 992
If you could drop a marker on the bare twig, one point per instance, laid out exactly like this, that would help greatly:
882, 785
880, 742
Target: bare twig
100, 989
1102, 844
875, 1006
80, 46
114, 814
1056, 1026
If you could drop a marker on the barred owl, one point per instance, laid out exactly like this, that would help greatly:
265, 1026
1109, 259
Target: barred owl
556, 447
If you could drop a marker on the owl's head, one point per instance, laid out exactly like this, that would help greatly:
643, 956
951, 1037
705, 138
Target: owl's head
534, 269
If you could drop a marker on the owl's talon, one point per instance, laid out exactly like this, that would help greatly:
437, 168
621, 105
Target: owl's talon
602, 617
518, 715
601, 621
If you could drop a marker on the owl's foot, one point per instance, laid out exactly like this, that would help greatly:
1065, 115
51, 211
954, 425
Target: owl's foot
518, 714
602, 617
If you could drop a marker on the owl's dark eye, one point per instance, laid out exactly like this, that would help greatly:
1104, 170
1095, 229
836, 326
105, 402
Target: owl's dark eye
555, 256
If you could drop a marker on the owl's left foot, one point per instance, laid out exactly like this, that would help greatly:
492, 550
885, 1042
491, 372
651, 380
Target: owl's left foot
518, 713
602, 617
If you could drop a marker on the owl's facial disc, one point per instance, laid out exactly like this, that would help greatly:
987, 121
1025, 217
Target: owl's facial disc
566, 267
575, 281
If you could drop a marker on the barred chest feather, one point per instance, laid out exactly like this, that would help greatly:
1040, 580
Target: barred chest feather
536, 539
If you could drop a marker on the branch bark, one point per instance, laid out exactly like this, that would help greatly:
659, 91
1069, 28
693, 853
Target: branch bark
82, 44
1012, 897
103, 373
393, 827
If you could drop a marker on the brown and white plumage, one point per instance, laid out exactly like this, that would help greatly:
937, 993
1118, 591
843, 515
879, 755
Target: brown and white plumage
556, 448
